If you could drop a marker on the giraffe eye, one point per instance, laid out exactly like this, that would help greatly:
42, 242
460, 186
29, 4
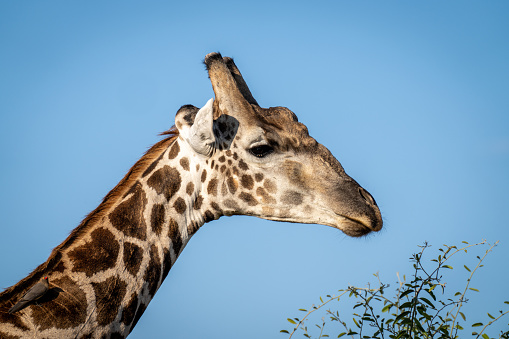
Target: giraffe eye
261, 150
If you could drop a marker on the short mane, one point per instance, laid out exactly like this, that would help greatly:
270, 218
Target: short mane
109, 200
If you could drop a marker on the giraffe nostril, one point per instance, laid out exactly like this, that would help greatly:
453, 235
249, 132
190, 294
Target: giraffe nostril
365, 194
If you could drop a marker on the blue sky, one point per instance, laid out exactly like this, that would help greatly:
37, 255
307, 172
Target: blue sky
411, 97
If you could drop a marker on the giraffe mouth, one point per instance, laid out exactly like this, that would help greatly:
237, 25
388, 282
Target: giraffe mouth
355, 227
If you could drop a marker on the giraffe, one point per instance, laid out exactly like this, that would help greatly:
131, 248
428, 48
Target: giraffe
230, 157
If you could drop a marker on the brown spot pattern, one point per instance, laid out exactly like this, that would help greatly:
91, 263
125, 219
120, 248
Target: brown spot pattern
174, 150
180, 205
68, 299
176, 238
215, 206
229, 203
222, 158
12, 319
96, 255
138, 314
60, 267
109, 296
133, 255
166, 262
266, 198
243, 165
209, 216
247, 181
270, 186
192, 228
153, 272
203, 175
129, 312
292, 198
212, 187
190, 188
251, 201
197, 202
157, 218
258, 177
294, 172
165, 180
128, 216
232, 184
184, 162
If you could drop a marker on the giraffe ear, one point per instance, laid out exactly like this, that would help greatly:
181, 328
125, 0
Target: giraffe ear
196, 127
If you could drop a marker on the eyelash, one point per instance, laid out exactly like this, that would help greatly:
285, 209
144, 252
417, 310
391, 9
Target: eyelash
261, 150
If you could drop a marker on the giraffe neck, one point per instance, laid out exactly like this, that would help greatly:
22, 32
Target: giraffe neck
107, 271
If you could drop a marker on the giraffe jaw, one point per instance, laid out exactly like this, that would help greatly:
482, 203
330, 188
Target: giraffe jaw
353, 227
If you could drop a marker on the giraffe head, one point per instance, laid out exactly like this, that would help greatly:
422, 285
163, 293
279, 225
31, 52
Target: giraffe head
262, 161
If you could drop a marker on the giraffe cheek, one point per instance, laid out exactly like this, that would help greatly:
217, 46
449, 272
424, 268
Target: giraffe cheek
265, 197
268, 211
292, 198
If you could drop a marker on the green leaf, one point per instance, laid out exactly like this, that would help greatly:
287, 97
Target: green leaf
419, 326
447, 266
341, 334
386, 308
477, 325
431, 293
492, 317
485, 336
291, 321
284, 331
402, 315
463, 316
406, 293
468, 269
408, 304
473, 289
303, 310
427, 302
464, 242
356, 323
